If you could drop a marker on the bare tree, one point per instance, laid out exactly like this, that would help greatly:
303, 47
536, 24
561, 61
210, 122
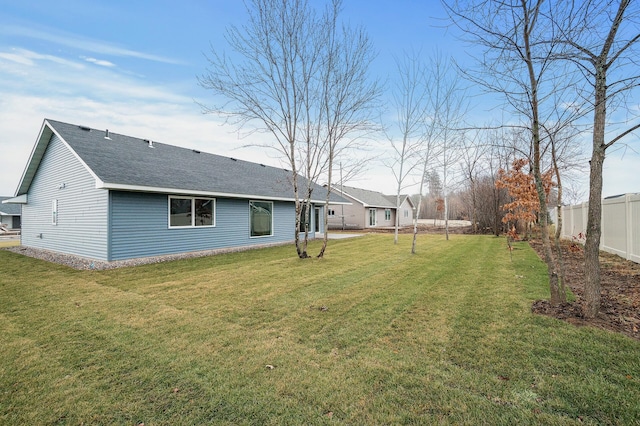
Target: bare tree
445, 109
411, 102
566, 157
516, 63
349, 97
603, 40
281, 79
451, 108
472, 158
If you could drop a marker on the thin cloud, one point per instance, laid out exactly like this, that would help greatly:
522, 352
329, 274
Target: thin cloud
83, 43
17, 58
63, 78
30, 58
166, 122
100, 62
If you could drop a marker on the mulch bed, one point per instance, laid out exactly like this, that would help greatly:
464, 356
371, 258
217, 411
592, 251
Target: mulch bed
620, 283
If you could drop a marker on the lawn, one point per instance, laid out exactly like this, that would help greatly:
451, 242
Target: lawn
369, 335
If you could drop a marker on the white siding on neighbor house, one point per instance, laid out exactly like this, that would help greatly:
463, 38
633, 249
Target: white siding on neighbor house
357, 217
381, 221
6, 220
351, 216
406, 213
139, 226
81, 227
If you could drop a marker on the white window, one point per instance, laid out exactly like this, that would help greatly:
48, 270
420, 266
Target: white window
54, 212
406, 213
387, 214
261, 218
187, 212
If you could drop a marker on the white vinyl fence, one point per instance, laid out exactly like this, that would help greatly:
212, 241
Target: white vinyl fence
620, 225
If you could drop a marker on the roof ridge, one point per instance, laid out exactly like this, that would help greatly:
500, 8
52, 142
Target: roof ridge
157, 142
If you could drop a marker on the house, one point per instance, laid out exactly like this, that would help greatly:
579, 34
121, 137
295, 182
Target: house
9, 215
108, 196
368, 209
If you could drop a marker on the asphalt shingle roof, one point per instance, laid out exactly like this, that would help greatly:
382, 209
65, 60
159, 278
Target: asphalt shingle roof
125, 161
9, 209
369, 198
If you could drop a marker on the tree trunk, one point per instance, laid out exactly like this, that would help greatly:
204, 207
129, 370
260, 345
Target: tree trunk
325, 215
416, 212
558, 234
396, 224
415, 223
591, 304
446, 218
556, 297
474, 208
415, 227
497, 219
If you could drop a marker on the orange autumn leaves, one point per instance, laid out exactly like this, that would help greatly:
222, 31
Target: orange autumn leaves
520, 185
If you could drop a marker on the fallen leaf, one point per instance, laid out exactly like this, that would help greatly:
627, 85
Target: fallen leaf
329, 414
270, 367
176, 390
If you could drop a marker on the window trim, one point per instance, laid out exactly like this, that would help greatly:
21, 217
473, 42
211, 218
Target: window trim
193, 213
272, 218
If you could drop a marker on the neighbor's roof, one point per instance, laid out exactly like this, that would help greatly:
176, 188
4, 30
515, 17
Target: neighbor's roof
392, 199
366, 197
9, 209
121, 162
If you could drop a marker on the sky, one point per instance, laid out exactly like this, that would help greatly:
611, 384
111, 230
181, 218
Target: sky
132, 67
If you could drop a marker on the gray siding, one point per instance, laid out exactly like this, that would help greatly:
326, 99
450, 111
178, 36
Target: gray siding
6, 220
82, 209
139, 227
354, 215
406, 213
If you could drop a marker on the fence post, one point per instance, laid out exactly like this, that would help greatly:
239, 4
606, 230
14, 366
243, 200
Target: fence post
628, 225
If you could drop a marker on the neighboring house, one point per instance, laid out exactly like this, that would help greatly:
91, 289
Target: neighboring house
107, 196
368, 209
9, 214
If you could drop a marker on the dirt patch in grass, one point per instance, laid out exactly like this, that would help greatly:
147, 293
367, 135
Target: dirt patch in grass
620, 282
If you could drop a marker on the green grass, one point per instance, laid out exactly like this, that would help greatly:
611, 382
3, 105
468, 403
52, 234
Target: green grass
368, 335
